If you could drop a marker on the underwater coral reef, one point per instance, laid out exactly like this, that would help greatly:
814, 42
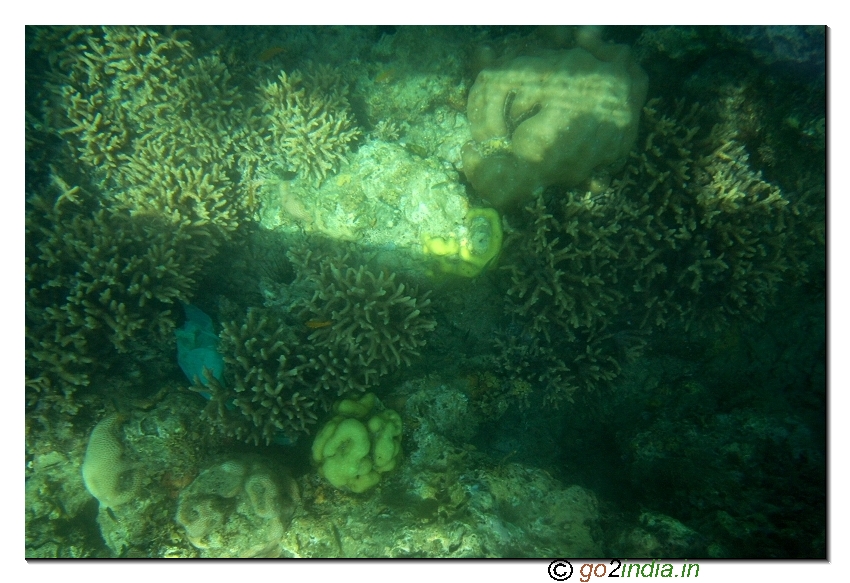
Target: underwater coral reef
377, 291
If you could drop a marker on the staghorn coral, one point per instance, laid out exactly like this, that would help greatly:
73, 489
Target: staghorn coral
307, 125
689, 236
565, 297
153, 128
711, 239
269, 388
107, 476
100, 282
386, 130
142, 188
341, 329
374, 322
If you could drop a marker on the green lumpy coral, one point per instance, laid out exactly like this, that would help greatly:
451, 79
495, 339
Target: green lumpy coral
351, 451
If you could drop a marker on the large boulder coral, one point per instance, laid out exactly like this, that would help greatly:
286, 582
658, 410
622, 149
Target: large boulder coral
238, 509
552, 118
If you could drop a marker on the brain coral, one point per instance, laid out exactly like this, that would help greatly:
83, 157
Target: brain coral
107, 476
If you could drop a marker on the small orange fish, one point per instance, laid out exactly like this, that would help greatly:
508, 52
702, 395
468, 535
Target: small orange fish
270, 53
385, 76
313, 324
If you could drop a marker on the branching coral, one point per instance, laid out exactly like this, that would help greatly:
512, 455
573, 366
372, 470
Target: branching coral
148, 186
270, 388
342, 329
152, 127
565, 296
711, 239
307, 125
100, 282
373, 320
689, 236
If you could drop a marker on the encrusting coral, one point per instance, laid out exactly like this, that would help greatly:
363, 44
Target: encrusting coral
474, 253
343, 329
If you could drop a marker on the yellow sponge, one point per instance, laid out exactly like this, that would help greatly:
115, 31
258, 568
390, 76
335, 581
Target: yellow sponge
473, 253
